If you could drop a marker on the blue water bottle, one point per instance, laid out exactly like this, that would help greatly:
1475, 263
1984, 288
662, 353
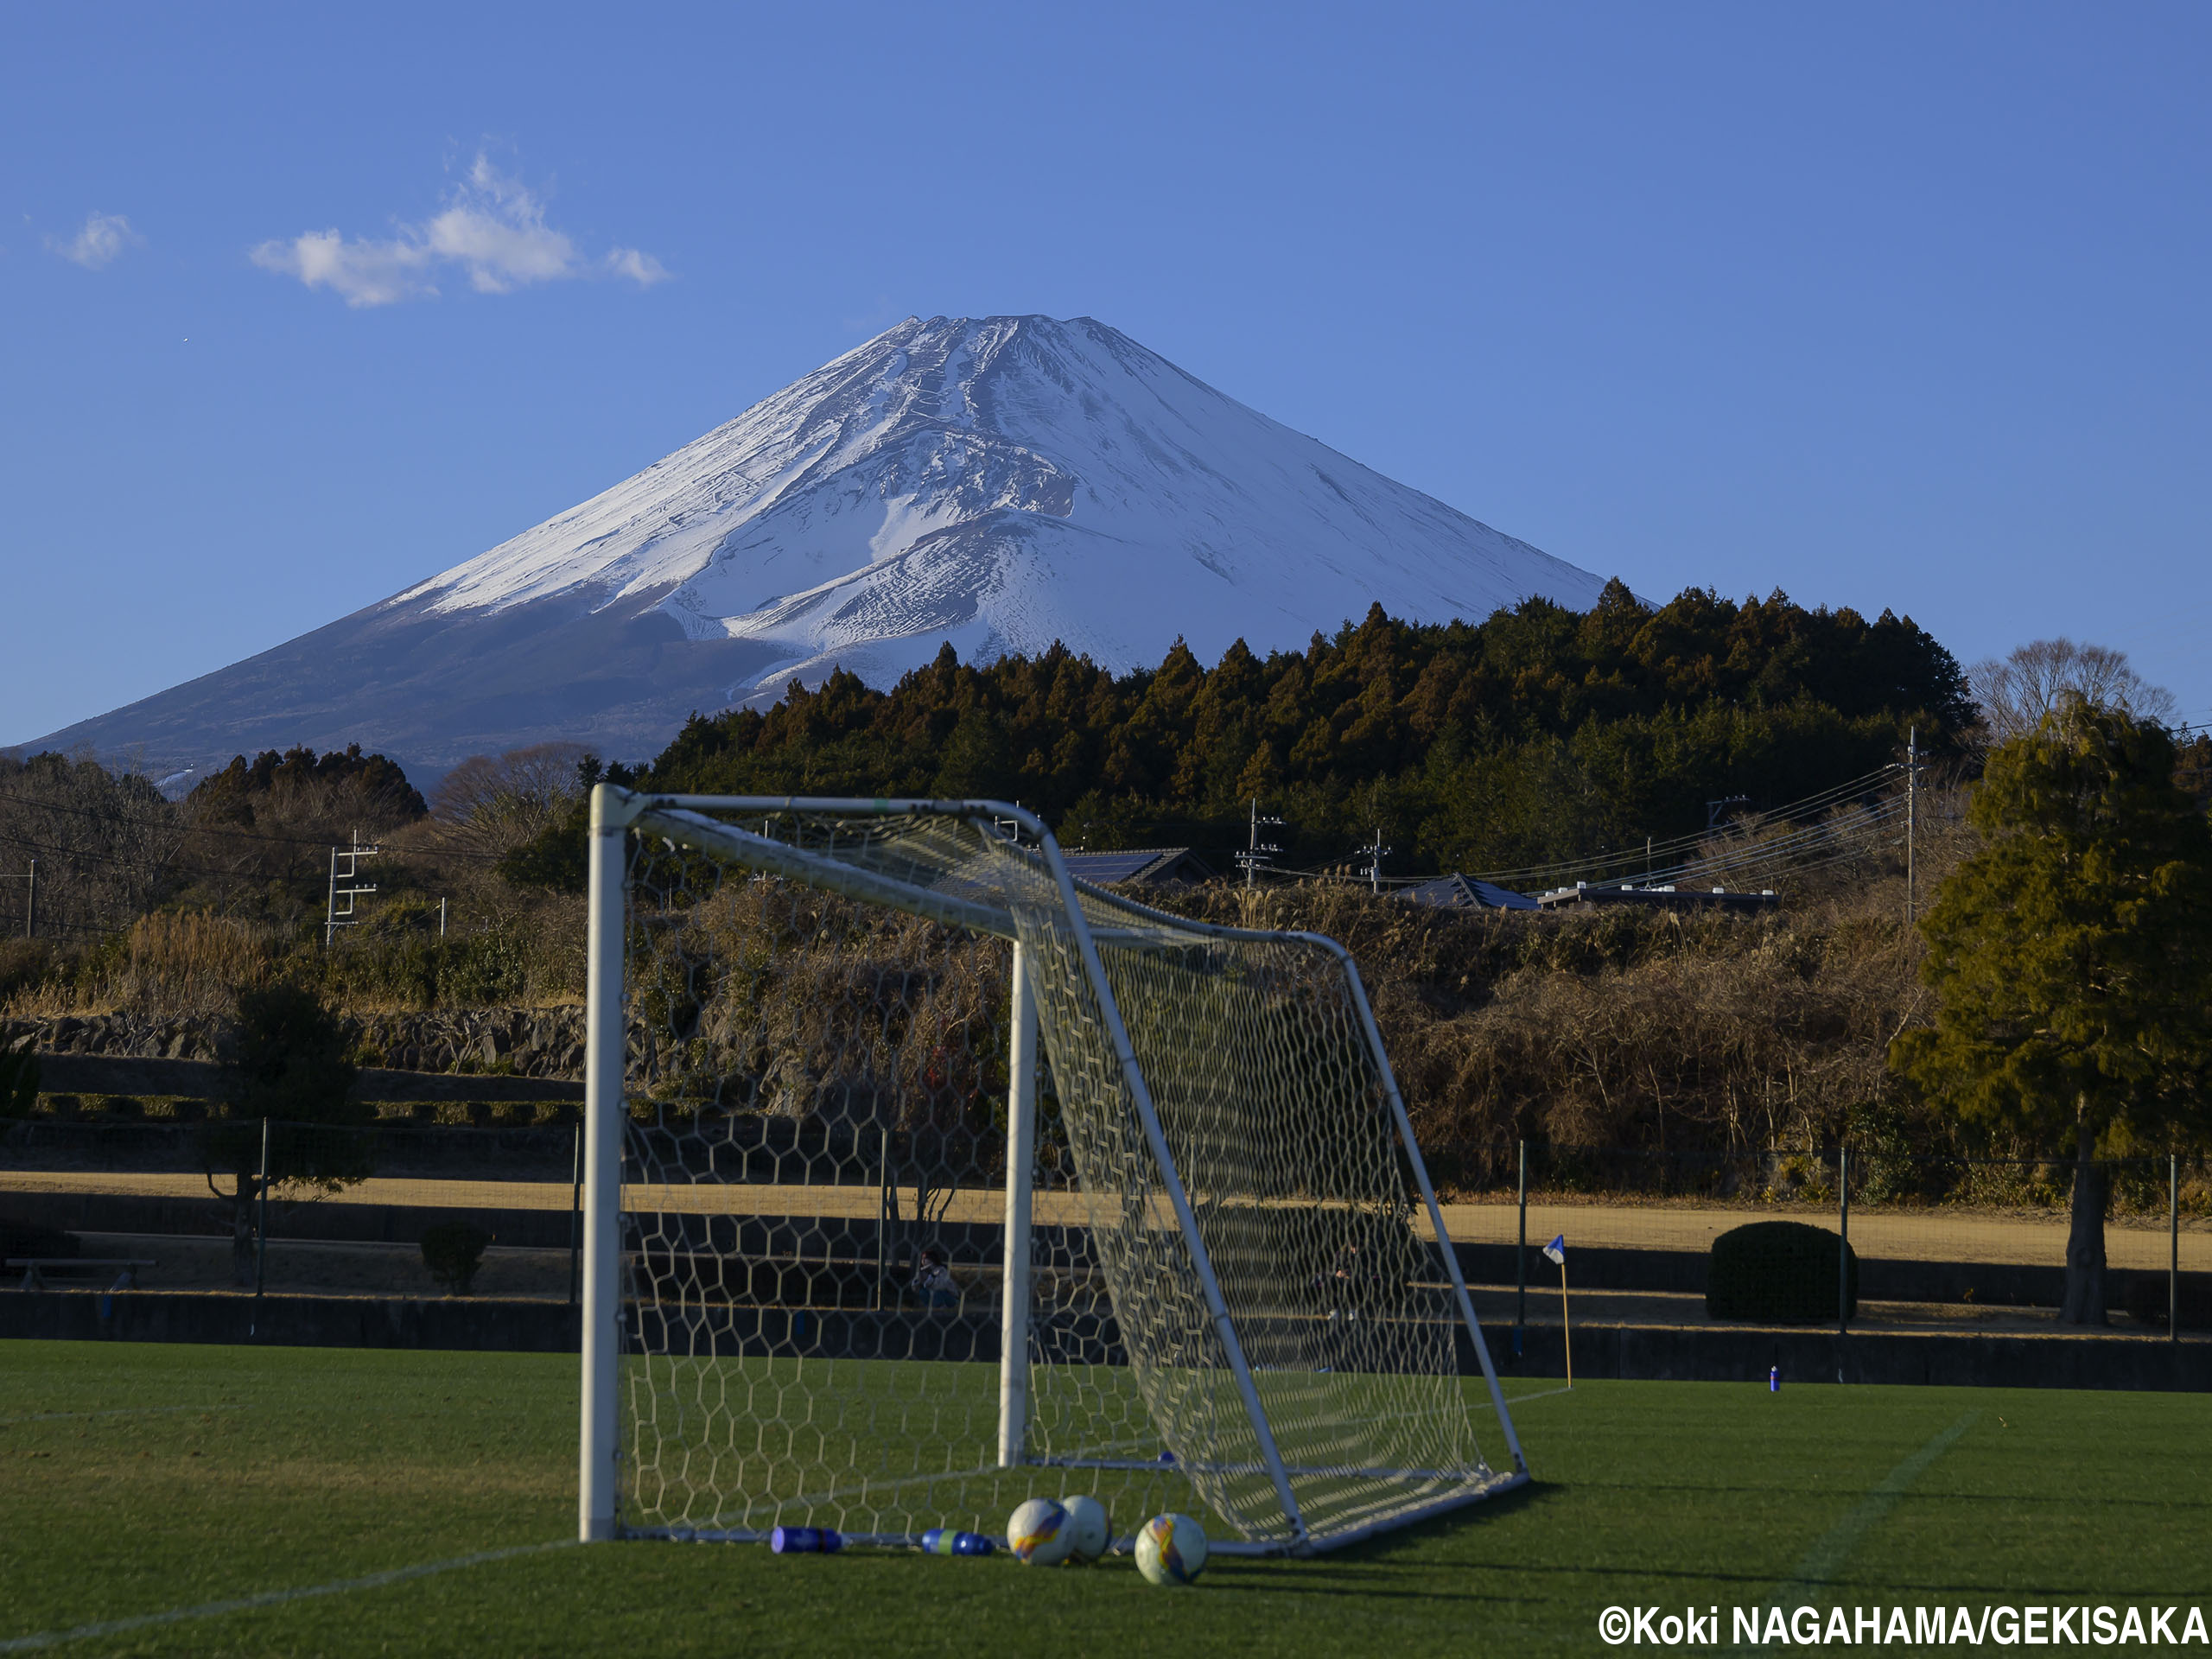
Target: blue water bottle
805, 1540
945, 1540
1774, 1379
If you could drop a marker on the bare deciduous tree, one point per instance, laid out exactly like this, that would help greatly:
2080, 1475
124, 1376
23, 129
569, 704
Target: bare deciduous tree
492, 805
2018, 690
103, 842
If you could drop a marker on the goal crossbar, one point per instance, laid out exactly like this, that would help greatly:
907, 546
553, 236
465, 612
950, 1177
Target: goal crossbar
994, 869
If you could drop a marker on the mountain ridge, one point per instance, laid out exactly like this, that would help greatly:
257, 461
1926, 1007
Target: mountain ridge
1000, 484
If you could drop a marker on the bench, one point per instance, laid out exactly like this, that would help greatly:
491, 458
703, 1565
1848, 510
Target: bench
32, 1266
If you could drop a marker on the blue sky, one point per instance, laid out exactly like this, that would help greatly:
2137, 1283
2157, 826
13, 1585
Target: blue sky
1884, 306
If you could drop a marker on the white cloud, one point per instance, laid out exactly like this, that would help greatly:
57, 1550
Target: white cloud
103, 236
640, 268
491, 229
361, 273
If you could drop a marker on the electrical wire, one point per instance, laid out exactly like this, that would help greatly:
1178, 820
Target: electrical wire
1792, 811
229, 834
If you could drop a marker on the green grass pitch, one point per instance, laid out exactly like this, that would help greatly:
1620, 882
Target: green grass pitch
146, 1479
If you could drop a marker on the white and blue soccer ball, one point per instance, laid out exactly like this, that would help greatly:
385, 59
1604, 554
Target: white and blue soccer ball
1089, 1527
1039, 1533
1171, 1549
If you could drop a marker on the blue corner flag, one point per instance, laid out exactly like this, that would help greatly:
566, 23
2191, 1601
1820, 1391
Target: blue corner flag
1557, 1250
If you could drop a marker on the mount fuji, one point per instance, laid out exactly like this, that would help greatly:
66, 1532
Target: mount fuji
999, 483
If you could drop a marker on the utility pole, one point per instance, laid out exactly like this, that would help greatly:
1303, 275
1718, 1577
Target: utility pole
1911, 793
1254, 858
334, 917
1374, 854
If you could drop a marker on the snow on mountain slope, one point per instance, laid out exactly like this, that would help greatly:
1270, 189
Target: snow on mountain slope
999, 483
1003, 483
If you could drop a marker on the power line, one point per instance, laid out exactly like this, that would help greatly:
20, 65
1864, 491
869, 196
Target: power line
1794, 811
225, 832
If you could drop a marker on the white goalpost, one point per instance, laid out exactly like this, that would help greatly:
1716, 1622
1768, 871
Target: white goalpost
922, 1178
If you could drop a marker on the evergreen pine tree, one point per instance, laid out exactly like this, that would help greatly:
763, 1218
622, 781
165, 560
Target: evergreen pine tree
286, 1061
2068, 960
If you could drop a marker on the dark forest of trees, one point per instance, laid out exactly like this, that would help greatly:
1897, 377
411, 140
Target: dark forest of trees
1540, 734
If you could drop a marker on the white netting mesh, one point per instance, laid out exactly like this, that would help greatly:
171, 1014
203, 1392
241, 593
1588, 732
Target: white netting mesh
817, 1006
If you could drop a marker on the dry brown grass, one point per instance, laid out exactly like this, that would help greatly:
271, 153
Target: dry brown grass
191, 962
1625, 1027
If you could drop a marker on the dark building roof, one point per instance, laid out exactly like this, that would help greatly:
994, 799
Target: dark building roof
1457, 891
1140, 867
1668, 897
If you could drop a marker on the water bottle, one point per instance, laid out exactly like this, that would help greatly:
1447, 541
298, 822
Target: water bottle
945, 1541
806, 1541
1774, 1379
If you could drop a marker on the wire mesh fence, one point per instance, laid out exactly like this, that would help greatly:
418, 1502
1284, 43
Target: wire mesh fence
1939, 1242
1934, 1242
395, 1209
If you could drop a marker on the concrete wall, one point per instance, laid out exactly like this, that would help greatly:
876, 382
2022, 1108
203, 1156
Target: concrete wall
1707, 1354
290, 1321
1628, 1352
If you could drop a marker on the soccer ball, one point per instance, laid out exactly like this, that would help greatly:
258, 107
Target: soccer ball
1038, 1534
1171, 1549
1089, 1526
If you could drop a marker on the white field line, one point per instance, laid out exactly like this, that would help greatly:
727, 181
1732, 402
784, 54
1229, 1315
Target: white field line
1545, 1394
118, 1411
269, 1598
1834, 1547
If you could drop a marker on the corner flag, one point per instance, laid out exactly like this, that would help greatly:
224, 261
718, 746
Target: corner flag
1556, 1250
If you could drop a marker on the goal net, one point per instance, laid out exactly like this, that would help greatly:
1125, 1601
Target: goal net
923, 1179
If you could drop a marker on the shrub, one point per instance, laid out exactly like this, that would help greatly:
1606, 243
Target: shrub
1778, 1273
453, 1251
485, 969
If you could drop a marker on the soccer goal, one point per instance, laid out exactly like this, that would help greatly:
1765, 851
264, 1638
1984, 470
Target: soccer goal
922, 1178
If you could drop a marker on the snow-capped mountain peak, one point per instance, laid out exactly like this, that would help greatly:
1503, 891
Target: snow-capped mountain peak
1004, 483
999, 483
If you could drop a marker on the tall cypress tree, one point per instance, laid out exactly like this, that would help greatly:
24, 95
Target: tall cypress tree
2069, 963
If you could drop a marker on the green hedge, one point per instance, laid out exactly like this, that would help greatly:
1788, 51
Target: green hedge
454, 1251
1778, 1273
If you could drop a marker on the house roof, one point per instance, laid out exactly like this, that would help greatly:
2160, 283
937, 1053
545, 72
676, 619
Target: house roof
1457, 891
1146, 866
